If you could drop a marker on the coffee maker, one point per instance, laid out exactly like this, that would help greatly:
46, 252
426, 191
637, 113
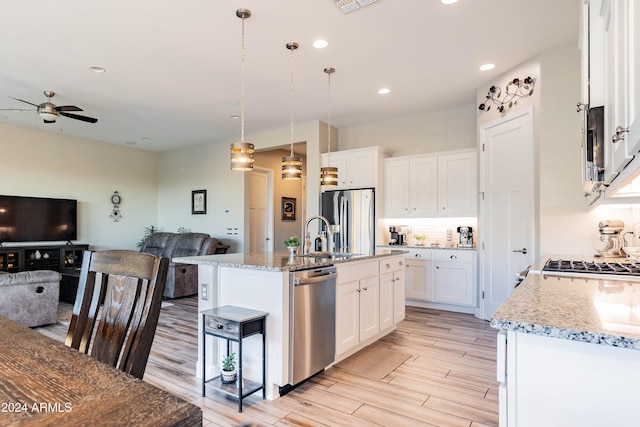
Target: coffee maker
466, 237
396, 238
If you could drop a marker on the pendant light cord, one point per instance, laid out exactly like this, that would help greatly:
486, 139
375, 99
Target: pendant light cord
329, 119
242, 88
291, 106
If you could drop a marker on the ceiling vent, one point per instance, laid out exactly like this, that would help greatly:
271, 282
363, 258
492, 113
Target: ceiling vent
351, 5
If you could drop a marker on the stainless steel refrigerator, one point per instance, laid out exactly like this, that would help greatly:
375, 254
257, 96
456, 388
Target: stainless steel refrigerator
351, 214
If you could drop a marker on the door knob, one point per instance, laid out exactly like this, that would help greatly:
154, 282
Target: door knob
523, 250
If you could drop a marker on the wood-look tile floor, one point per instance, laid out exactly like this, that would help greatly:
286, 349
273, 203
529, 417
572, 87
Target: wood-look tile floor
449, 380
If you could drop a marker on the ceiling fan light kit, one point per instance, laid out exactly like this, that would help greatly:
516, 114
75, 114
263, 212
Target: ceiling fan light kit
242, 152
50, 112
329, 174
291, 164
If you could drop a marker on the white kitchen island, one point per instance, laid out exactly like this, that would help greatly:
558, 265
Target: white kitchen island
568, 352
261, 281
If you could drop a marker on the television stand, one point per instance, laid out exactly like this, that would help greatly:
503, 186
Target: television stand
63, 258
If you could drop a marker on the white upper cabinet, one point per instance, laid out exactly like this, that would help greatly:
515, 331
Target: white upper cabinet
619, 78
442, 184
458, 184
411, 186
357, 168
610, 43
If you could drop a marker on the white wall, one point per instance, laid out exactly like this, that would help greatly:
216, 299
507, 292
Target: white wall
450, 129
207, 167
46, 164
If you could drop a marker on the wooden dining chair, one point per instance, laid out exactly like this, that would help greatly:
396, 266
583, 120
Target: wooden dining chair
128, 285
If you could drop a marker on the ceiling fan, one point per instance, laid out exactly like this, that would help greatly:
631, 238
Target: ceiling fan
50, 112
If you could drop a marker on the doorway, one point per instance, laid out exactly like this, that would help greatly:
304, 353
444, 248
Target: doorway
261, 210
506, 206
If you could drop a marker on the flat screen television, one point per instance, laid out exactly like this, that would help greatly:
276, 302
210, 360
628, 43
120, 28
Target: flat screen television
37, 219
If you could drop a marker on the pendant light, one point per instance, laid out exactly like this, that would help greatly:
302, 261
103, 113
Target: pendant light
329, 174
291, 164
242, 152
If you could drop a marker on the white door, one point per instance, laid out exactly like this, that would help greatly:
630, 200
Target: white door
506, 223
261, 211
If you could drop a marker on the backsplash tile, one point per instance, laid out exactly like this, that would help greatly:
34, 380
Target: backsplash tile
434, 229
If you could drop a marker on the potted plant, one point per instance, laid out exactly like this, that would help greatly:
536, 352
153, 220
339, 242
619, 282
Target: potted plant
292, 243
148, 231
228, 374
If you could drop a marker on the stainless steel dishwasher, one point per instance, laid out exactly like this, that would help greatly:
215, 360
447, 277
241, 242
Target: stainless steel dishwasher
313, 322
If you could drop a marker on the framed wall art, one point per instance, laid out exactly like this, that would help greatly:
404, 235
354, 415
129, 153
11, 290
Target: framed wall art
288, 209
198, 202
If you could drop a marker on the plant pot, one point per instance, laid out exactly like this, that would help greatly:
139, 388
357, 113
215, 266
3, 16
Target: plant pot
293, 250
228, 377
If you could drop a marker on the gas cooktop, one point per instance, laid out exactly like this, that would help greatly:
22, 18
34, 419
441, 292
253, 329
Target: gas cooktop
621, 268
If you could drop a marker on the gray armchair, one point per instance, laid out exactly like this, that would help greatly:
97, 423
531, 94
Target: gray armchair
30, 297
182, 279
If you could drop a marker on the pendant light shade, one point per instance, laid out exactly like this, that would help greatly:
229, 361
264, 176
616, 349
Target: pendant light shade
291, 164
242, 152
329, 174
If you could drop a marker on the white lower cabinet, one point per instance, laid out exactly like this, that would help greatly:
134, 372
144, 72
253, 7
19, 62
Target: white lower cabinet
419, 277
441, 278
392, 293
549, 381
369, 301
454, 277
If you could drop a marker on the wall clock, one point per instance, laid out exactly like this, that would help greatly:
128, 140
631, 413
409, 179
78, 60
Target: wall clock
115, 201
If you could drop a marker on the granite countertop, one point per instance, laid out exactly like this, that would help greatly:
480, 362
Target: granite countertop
426, 247
595, 310
280, 260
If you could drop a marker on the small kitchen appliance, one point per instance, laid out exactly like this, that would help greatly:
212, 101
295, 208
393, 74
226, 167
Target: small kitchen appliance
466, 237
610, 242
396, 238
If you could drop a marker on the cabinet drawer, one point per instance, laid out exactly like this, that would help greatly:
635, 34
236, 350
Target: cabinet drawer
454, 256
222, 328
388, 265
419, 254
356, 271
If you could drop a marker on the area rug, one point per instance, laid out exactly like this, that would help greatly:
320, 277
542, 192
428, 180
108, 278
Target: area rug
373, 361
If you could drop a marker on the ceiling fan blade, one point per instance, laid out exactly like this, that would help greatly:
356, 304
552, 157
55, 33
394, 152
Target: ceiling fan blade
14, 109
79, 117
22, 100
67, 108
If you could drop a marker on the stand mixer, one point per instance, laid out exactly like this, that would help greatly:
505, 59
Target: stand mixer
611, 242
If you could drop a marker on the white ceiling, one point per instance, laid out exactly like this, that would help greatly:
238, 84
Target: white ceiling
173, 67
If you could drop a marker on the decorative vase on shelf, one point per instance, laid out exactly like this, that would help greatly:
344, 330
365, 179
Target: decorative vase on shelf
228, 377
38, 255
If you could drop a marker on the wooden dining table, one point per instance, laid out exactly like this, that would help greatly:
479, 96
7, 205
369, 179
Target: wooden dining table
45, 383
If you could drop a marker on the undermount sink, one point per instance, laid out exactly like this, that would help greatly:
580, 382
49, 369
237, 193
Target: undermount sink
333, 255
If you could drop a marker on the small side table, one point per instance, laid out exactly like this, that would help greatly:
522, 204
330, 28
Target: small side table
233, 324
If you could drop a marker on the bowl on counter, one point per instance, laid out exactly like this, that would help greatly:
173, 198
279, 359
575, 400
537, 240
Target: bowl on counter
633, 252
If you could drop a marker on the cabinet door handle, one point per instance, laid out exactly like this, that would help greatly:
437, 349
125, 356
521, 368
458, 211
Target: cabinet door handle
418, 256
400, 263
619, 135
453, 257
388, 266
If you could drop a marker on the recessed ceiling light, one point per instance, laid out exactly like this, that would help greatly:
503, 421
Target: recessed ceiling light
234, 116
97, 69
320, 44
384, 91
487, 67
448, 1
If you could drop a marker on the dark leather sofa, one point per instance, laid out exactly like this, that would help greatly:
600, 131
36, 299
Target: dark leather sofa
182, 279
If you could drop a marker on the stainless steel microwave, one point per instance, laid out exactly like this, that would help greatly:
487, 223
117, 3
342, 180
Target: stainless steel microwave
593, 150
